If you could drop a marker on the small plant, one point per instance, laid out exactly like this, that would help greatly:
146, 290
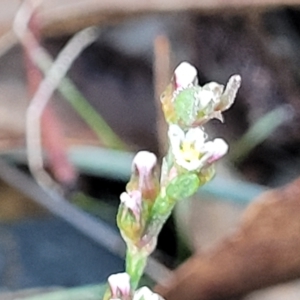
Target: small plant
188, 164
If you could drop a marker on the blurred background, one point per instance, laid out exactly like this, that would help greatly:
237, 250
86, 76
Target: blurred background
121, 74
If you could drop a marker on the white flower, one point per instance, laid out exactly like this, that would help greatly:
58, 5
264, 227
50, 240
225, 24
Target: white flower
145, 293
190, 149
119, 286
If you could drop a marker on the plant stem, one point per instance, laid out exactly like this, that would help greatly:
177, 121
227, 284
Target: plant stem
43, 60
90, 116
136, 261
81, 106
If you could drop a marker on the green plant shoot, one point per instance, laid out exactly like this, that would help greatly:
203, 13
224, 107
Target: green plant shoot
189, 163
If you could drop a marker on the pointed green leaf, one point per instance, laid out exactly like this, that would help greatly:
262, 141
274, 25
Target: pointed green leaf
185, 106
183, 186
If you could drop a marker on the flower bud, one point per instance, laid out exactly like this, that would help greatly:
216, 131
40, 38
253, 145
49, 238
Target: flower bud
145, 293
119, 285
185, 75
144, 177
187, 104
130, 217
132, 202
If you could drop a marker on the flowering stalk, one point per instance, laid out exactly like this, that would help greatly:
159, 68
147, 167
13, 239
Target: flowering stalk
188, 164
136, 260
135, 210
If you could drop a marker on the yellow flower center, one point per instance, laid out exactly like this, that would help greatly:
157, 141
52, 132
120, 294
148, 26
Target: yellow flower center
189, 152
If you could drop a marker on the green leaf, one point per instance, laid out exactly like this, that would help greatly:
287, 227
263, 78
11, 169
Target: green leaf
183, 186
185, 106
162, 206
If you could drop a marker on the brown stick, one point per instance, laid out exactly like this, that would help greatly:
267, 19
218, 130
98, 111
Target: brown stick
263, 251
162, 75
69, 16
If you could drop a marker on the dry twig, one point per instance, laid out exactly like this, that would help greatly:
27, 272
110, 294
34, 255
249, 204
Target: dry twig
162, 75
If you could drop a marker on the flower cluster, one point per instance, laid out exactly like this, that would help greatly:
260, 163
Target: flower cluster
187, 104
187, 107
189, 163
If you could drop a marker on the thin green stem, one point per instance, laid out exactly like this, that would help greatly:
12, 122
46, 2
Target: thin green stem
88, 113
259, 131
79, 103
136, 261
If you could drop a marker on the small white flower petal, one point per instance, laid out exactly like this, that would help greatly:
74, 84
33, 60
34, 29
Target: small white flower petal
175, 132
176, 135
228, 97
214, 87
219, 149
204, 98
196, 136
144, 162
185, 75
